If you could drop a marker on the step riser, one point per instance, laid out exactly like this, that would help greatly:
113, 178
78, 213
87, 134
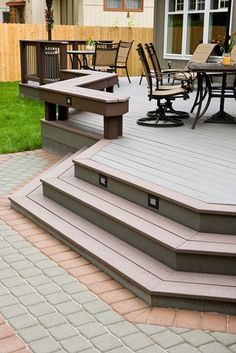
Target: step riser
121, 231
192, 262
208, 223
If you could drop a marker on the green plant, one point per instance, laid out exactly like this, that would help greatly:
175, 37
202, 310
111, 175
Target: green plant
90, 42
223, 45
19, 120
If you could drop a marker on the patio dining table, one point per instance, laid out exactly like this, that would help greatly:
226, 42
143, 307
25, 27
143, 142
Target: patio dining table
80, 57
203, 71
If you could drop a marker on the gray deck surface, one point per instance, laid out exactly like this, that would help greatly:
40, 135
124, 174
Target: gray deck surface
199, 163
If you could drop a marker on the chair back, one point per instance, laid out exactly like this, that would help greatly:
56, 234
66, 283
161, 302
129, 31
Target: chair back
106, 54
202, 53
123, 52
145, 67
154, 61
233, 54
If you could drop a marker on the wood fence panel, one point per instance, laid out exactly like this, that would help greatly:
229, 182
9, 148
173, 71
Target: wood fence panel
11, 34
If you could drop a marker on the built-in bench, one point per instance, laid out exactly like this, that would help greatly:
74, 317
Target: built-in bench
73, 93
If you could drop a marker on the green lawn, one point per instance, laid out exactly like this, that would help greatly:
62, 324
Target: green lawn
19, 120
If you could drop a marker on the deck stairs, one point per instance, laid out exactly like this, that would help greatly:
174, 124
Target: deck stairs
163, 250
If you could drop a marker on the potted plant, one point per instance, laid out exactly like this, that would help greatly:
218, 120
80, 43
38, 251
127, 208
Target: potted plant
226, 48
90, 43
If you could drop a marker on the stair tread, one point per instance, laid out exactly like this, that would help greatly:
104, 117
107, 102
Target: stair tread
196, 205
139, 268
171, 234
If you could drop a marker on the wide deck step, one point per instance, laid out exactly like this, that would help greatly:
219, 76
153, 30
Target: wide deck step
136, 246
175, 245
201, 216
154, 282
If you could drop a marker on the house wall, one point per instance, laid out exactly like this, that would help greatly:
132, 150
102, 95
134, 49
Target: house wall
158, 33
3, 8
95, 16
34, 11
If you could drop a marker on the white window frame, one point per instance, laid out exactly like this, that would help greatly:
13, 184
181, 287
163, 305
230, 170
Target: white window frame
185, 12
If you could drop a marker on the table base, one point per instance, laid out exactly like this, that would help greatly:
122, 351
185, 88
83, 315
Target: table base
221, 118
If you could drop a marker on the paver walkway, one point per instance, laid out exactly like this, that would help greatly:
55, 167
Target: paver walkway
53, 300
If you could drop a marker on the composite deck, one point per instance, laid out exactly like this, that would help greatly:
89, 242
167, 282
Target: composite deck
199, 163
181, 253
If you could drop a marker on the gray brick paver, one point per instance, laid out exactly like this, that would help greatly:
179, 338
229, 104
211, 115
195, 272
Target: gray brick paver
108, 317
22, 290
150, 329
51, 320
106, 343
84, 297
13, 282
80, 318
214, 347
73, 288
92, 330
183, 348
197, 338
122, 329
6, 300
225, 338
75, 344
57, 298
63, 279
45, 345
63, 331
31, 299
137, 341
32, 333
22, 321
69, 307
167, 339
41, 309
48, 288
96, 306
13, 311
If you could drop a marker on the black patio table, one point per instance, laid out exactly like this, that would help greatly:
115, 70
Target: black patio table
203, 70
77, 53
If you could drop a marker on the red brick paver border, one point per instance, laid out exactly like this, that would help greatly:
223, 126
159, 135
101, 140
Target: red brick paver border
121, 300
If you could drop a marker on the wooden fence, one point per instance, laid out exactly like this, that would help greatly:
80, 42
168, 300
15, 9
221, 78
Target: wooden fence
11, 34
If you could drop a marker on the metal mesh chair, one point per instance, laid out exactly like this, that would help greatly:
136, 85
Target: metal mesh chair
162, 96
123, 56
105, 56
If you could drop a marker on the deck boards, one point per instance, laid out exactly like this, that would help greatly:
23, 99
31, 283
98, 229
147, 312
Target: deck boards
199, 163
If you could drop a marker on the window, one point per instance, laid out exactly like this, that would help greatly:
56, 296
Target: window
6, 17
123, 5
190, 22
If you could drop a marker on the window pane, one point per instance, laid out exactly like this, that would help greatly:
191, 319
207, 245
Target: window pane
171, 5
217, 27
194, 31
214, 4
224, 4
134, 4
6, 17
113, 4
180, 5
192, 4
201, 5
175, 30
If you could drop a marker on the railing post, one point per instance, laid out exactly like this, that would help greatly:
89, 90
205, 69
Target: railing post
63, 55
41, 62
23, 60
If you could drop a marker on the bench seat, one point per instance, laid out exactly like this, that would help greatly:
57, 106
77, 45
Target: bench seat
72, 94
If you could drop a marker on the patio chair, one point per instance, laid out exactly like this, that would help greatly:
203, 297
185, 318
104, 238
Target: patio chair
105, 56
162, 96
123, 56
156, 69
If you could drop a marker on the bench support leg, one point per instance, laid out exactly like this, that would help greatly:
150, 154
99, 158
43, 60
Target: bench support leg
113, 126
50, 111
63, 112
